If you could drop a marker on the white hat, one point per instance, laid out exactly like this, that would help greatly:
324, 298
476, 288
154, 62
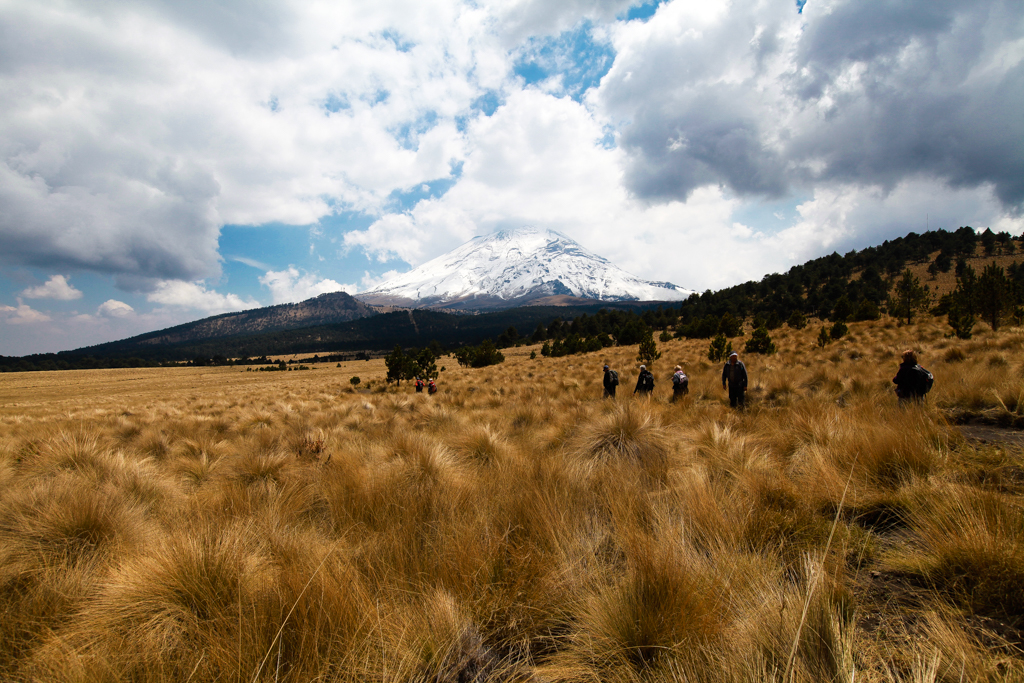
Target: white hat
643, 367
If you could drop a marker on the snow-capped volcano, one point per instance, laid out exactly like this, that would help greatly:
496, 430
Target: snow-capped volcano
515, 267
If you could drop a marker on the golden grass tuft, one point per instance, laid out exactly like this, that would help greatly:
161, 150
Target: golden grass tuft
207, 524
969, 545
632, 432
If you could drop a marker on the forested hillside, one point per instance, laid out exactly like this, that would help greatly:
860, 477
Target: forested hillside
860, 285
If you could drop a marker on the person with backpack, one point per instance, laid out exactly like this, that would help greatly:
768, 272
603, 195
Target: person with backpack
611, 380
645, 382
431, 387
911, 380
734, 375
419, 385
680, 384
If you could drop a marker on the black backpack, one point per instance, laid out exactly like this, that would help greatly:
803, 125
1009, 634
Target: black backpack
925, 380
614, 376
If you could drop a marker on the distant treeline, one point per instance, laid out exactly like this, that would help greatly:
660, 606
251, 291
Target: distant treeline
54, 361
823, 287
407, 328
852, 287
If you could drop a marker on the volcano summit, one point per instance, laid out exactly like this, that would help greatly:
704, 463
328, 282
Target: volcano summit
514, 268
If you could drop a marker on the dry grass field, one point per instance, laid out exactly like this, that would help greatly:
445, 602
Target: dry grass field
220, 525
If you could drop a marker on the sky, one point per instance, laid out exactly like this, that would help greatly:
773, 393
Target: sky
166, 160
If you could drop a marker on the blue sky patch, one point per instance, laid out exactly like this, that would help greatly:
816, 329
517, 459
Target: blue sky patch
396, 39
769, 217
408, 134
644, 11
335, 103
405, 200
574, 55
250, 251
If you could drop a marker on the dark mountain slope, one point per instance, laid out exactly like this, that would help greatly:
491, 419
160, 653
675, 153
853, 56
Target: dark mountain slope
326, 309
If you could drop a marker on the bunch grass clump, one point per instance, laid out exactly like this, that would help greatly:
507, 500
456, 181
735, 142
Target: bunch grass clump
216, 525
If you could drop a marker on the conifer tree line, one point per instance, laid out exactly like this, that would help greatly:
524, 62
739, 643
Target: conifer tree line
858, 286
861, 285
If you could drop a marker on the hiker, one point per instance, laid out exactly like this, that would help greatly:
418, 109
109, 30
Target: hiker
419, 385
680, 384
431, 387
611, 380
911, 380
645, 382
734, 376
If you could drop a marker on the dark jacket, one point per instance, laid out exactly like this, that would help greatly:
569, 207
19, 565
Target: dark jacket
608, 379
645, 382
740, 376
682, 386
909, 381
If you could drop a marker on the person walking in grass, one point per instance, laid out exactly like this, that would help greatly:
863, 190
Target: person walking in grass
645, 382
911, 380
611, 380
680, 384
734, 377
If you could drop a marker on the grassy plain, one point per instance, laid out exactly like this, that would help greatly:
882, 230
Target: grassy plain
219, 525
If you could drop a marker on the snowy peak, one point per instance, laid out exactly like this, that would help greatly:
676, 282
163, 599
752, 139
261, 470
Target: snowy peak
515, 267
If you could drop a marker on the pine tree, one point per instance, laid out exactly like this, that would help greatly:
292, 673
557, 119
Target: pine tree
993, 295
424, 365
760, 342
648, 351
397, 364
824, 337
720, 348
908, 297
960, 317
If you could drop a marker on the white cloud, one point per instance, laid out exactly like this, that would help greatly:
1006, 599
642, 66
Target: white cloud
131, 132
839, 216
112, 308
538, 160
56, 287
22, 315
369, 281
195, 295
290, 286
769, 101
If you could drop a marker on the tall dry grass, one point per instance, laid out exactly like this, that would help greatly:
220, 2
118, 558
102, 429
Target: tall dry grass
212, 525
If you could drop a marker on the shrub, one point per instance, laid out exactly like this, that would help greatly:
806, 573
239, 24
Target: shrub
648, 351
823, 337
719, 348
480, 356
354, 381
760, 342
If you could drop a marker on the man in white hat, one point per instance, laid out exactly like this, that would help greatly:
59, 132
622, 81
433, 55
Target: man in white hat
734, 375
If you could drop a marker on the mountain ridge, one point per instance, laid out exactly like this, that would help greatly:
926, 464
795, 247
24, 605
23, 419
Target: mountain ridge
512, 268
325, 309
